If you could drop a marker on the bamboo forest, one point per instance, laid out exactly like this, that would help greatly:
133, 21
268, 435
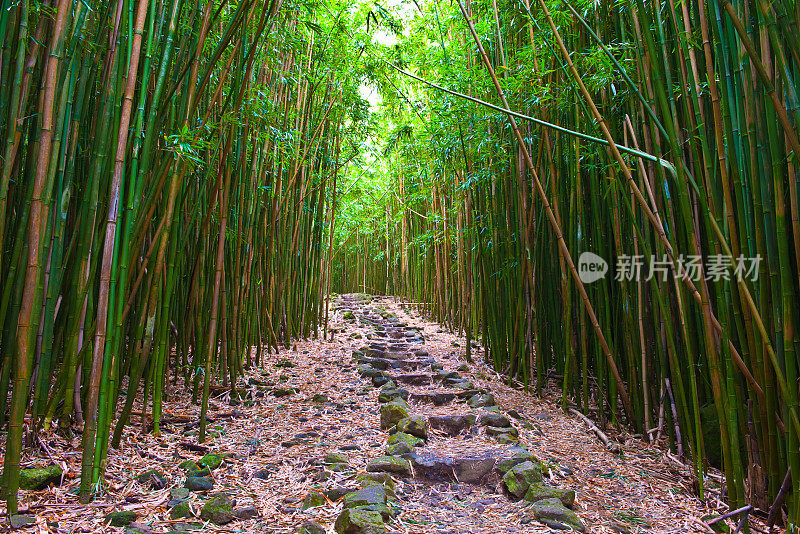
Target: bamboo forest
418, 266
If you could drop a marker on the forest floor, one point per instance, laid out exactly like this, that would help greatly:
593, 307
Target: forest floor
310, 401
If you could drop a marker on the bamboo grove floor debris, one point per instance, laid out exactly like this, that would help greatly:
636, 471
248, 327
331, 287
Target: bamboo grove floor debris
272, 448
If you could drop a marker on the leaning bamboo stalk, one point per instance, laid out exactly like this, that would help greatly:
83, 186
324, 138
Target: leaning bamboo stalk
562, 247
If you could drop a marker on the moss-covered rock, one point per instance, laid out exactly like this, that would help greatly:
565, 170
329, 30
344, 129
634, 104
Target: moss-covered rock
538, 491
335, 458
496, 431
389, 394
416, 425
520, 455
319, 398
192, 469
180, 511
482, 400
385, 510
188, 465
402, 437
398, 449
367, 371
371, 495
494, 419
376, 479
549, 510
519, 478
310, 527
121, 519
153, 478
506, 439
39, 477
359, 521
392, 412
378, 381
211, 460
218, 509
389, 464
314, 499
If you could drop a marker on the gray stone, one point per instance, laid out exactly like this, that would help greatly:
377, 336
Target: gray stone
262, 474
121, 519
416, 379
494, 419
179, 493
334, 494
435, 398
245, 513
451, 425
477, 469
335, 458
21, 521
378, 381
199, 483
479, 401
367, 371
153, 478
376, 363
447, 375
138, 528
506, 439
188, 527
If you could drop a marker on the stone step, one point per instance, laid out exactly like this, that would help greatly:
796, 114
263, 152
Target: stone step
468, 469
452, 425
414, 379
435, 398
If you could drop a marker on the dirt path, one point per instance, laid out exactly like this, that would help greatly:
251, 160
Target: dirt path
309, 431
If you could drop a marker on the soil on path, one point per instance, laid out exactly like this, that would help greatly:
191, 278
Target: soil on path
308, 402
